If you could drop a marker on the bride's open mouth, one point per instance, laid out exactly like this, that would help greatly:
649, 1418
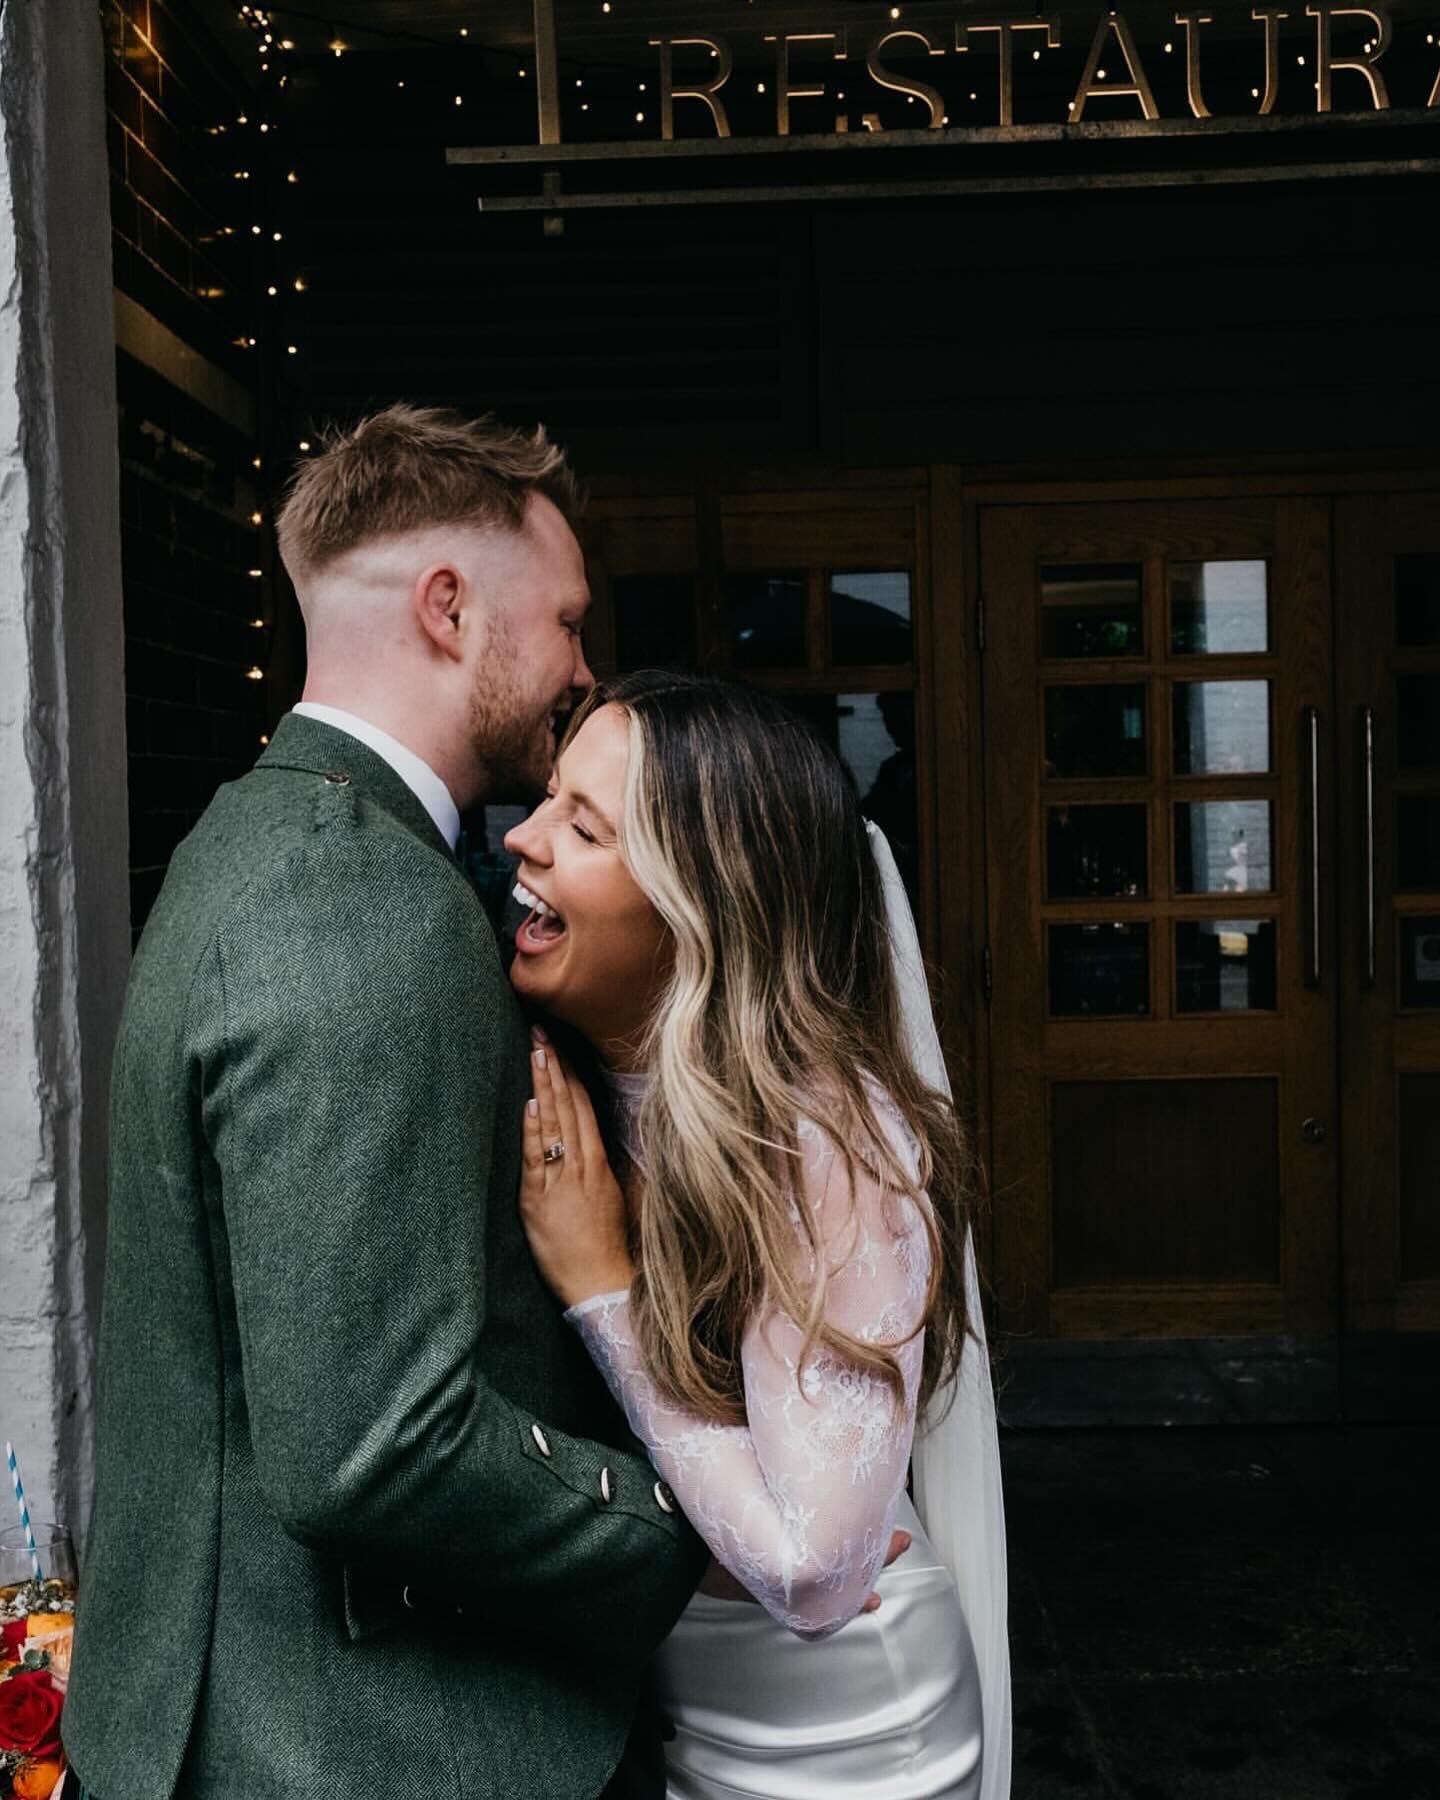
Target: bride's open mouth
543, 929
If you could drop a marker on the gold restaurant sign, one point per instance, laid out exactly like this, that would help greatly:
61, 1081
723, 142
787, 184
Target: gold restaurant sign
1112, 46
733, 91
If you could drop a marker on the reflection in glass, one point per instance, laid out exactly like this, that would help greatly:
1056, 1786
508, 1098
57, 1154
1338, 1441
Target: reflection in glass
1218, 608
766, 621
1417, 599
1420, 961
1094, 852
875, 735
1221, 727
1225, 965
1099, 970
1223, 847
654, 622
1418, 847
1091, 609
1417, 721
870, 618
1095, 731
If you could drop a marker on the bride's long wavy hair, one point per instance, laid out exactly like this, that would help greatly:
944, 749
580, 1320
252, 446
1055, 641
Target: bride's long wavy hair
744, 829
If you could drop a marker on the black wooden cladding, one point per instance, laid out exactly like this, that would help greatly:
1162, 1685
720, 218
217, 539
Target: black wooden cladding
194, 717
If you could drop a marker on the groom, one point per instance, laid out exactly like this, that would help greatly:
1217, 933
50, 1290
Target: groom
365, 1519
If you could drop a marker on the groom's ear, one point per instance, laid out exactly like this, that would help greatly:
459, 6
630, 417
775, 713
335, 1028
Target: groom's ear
436, 601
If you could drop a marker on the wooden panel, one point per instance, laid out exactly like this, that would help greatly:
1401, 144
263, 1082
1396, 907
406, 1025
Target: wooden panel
1165, 1181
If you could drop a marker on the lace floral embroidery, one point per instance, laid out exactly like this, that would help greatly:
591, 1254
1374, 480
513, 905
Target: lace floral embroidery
798, 1503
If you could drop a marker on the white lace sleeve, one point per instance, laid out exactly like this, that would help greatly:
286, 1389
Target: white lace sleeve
798, 1503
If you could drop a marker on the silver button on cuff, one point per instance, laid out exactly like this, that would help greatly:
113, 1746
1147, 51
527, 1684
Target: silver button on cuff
542, 1443
664, 1499
605, 1485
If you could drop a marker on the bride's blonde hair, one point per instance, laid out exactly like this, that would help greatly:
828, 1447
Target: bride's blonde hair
745, 831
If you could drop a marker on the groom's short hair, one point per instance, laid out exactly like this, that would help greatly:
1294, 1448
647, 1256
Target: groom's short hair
412, 466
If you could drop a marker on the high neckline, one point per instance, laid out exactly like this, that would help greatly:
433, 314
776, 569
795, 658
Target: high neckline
627, 1085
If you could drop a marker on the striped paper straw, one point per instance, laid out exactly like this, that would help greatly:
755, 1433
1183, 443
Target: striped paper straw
27, 1527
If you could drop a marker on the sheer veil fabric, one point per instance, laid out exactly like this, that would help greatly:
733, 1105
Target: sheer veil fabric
956, 1456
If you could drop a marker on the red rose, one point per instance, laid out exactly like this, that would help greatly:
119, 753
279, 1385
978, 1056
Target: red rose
12, 1638
30, 1714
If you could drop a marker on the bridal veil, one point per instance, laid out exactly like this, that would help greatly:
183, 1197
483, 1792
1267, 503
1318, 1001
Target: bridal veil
956, 1460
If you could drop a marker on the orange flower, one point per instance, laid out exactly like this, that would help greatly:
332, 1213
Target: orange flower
35, 1778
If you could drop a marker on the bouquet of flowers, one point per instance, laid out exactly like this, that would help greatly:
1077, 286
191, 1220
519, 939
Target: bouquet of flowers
37, 1625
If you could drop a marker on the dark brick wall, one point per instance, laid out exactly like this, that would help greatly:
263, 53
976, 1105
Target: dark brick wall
189, 485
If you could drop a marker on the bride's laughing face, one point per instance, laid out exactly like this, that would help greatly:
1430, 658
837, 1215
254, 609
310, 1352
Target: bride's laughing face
593, 951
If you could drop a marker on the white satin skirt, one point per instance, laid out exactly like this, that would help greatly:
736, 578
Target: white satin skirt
886, 1709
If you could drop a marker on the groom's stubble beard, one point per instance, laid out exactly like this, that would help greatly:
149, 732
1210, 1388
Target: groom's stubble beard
511, 741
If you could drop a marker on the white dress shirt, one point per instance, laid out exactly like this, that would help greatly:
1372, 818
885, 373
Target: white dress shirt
418, 776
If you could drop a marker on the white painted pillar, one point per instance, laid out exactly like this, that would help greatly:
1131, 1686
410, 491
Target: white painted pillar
64, 901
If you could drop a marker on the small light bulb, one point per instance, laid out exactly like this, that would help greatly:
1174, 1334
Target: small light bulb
254, 674
257, 518
304, 443
272, 290
639, 118
256, 574
292, 350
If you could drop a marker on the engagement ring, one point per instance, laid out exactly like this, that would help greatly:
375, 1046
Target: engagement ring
553, 1152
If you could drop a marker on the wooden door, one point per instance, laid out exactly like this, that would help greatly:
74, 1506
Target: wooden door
818, 593
1388, 632
1157, 725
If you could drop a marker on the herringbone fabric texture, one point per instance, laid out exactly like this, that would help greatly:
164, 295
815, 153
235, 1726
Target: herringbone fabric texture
325, 1350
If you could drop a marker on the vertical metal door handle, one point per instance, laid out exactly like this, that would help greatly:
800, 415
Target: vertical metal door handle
1312, 746
1367, 783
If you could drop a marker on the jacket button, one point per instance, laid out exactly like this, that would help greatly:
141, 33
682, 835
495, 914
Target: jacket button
542, 1443
605, 1485
664, 1499
336, 778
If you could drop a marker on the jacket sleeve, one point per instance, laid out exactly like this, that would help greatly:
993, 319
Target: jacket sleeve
348, 1082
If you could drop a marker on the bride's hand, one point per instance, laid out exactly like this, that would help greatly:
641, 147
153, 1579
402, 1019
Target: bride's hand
572, 1207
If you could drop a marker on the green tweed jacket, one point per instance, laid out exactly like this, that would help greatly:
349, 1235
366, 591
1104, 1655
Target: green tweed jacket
349, 1535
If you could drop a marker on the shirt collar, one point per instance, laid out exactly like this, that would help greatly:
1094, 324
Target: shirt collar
417, 774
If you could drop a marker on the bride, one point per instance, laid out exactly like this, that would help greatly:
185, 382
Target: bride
774, 1277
